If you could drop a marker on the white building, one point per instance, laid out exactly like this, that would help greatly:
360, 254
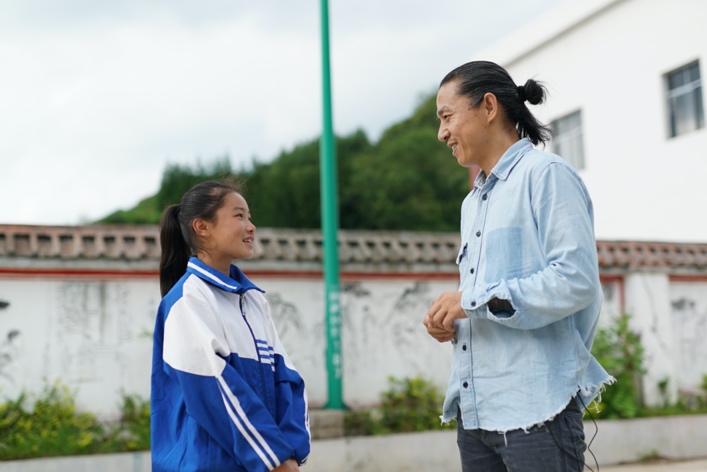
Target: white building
625, 82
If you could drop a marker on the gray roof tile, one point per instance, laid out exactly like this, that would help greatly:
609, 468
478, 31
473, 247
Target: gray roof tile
135, 243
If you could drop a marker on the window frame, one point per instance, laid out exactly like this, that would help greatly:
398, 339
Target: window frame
566, 146
692, 88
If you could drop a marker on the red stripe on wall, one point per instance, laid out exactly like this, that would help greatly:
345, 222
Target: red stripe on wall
93, 274
6, 273
688, 278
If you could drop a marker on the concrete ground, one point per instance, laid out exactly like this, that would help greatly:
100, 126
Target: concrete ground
658, 466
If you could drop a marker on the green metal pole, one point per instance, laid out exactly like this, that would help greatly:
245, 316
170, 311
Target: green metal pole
330, 224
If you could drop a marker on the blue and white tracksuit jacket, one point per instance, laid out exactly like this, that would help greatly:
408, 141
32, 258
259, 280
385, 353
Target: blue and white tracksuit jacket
225, 396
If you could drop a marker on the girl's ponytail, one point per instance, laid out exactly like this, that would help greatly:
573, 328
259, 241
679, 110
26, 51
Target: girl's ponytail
175, 251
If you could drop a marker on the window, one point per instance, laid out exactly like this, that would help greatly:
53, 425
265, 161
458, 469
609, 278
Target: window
568, 142
685, 100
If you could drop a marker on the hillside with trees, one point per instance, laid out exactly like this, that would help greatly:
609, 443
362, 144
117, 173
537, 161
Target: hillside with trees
407, 180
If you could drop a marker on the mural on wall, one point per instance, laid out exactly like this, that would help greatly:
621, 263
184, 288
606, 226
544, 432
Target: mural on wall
388, 321
83, 330
382, 334
95, 323
291, 324
404, 321
360, 326
7, 347
690, 330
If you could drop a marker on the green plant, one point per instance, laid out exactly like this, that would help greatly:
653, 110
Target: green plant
54, 427
651, 457
132, 432
360, 423
663, 389
410, 404
620, 351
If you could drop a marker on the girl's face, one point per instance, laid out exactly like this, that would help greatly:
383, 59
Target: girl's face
231, 234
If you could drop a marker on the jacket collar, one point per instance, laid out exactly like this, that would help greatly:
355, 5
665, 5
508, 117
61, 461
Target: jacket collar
236, 283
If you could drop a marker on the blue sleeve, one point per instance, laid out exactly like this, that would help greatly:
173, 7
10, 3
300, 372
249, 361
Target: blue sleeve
292, 415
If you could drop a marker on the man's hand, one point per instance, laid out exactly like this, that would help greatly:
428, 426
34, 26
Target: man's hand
439, 333
443, 312
289, 465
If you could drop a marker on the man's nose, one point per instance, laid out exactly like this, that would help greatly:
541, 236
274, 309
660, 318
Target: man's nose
443, 133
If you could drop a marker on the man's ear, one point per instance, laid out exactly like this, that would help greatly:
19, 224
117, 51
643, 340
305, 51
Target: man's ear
490, 106
201, 227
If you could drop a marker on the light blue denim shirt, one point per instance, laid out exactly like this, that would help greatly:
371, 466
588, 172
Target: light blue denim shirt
527, 236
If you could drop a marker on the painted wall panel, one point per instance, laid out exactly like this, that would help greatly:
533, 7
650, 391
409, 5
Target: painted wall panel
689, 320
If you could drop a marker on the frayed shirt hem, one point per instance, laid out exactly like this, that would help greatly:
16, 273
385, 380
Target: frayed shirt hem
590, 392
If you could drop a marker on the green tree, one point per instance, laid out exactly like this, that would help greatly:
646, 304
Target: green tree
405, 181
176, 180
286, 192
408, 183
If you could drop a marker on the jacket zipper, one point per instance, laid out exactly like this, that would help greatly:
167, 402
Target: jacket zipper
255, 343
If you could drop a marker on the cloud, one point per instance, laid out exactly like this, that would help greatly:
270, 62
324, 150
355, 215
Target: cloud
96, 97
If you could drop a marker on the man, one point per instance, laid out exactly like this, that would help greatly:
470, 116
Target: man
524, 318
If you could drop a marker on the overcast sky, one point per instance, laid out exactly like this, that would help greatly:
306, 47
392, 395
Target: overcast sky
96, 97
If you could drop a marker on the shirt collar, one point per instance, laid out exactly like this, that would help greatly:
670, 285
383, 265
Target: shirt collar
236, 283
508, 160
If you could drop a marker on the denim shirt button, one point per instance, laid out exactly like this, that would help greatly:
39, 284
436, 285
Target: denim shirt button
473, 304
478, 233
485, 197
472, 270
464, 347
466, 384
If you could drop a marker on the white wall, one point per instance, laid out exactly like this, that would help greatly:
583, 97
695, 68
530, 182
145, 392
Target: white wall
611, 306
382, 333
648, 302
96, 336
93, 336
645, 186
689, 321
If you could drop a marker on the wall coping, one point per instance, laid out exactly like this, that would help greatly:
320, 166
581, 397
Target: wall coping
301, 249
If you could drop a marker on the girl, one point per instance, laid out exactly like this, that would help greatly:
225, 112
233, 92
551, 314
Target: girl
225, 396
